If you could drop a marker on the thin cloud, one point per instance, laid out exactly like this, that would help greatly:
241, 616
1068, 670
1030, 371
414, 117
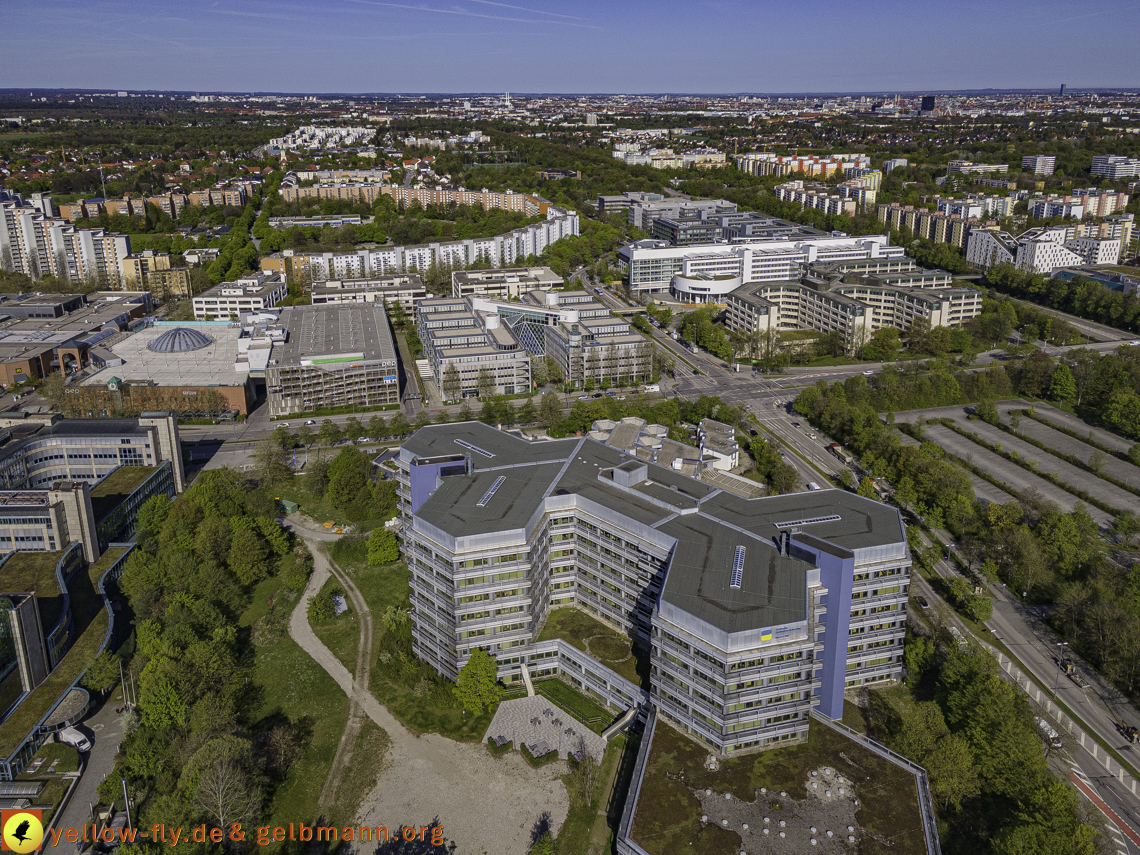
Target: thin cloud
526, 9
468, 14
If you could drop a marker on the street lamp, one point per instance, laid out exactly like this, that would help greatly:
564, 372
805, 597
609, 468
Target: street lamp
1060, 655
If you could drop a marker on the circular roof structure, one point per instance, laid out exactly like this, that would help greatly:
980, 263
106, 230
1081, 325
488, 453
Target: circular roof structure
179, 340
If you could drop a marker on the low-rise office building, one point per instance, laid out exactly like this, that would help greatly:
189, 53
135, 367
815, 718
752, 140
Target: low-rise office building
503, 283
332, 356
750, 612
407, 289
230, 300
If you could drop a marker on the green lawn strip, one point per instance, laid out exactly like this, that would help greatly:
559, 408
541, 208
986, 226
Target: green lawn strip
1068, 458
583, 708
1092, 734
1051, 477
667, 821
67, 756
604, 644
290, 688
51, 794
362, 774
581, 827
91, 622
1086, 439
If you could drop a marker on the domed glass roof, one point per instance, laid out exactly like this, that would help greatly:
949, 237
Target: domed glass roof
179, 340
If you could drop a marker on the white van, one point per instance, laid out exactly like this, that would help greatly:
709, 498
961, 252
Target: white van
811, 485
653, 387
74, 738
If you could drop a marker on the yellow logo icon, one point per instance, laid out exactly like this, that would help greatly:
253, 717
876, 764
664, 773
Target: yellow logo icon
23, 831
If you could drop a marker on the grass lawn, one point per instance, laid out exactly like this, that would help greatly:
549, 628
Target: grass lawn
67, 756
113, 490
340, 634
583, 708
580, 830
291, 688
667, 821
51, 794
606, 645
362, 773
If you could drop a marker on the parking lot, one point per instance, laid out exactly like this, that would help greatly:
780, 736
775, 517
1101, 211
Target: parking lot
1069, 422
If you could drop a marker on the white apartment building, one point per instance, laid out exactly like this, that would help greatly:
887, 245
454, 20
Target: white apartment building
231, 300
1115, 167
1040, 250
1039, 209
818, 198
37, 246
1039, 164
505, 250
967, 167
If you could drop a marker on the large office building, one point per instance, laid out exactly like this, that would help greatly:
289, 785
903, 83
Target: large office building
776, 250
855, 298
750, 612
642, 212
83, 480
1041, 250
468, 338
504, 250
231, 300
332, 356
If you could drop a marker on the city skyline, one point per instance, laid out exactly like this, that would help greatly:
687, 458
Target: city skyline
361, 46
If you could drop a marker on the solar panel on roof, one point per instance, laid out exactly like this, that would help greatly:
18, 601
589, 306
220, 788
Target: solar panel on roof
468, 445
809, 521
482, 503
737, 575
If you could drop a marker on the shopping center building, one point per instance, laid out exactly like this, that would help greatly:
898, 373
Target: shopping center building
749, 612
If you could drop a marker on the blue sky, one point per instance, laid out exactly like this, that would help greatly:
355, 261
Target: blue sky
586, 46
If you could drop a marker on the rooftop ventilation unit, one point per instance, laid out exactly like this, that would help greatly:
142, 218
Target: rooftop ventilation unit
809, 521
471, 447
737, 568
482, 503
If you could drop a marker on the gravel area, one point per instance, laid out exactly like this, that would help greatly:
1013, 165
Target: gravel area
542, 727
983, 489
1070, 422
487, 804
1067, 472
823, 820
1009, 473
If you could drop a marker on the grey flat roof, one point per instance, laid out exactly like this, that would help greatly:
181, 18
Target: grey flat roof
773, 587
316, 331
707, 523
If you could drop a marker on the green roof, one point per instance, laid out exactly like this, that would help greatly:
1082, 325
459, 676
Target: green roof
34, 572
114, 489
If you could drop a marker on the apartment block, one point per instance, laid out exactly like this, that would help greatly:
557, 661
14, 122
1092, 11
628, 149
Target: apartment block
967, 167
813, 166
362, 193
524, 203
151, 271
39, 246
1041, 250
750, 612
1039, 164
814, 197
1115, 167
506, 250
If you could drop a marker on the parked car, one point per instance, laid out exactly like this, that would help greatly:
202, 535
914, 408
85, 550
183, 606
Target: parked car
923, 603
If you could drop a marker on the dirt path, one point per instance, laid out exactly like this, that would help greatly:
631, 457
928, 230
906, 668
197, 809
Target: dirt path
430, 778
362, 675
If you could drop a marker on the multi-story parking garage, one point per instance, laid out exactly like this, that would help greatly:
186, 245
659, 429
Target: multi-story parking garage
751, 611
